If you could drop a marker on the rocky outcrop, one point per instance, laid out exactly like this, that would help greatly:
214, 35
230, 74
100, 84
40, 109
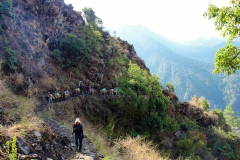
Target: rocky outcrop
193, 112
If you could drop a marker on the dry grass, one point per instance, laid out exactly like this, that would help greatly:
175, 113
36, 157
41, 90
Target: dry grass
101, 143
137, 149
194, 104
49, 83
18, 105
26, 124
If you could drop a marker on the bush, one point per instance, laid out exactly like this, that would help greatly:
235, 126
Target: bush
170, 87
92, 38
57, 55
73, 51
137, 148
92, 19
11, 59
6, 8
189, 124
12, 154
221, 119
224, 145
187, 147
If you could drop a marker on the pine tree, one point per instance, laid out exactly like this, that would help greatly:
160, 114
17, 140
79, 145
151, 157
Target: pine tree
230, 116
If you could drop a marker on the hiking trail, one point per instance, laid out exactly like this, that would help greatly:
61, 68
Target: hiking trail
66, 142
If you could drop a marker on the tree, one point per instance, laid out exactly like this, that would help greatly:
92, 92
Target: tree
221, 119
143, 105
230, 116
92, 19
203, 103
74, 50
92, 38
116, 55
6, 8
170, 87
227, 59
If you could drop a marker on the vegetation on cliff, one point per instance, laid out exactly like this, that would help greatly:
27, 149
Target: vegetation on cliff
60, 49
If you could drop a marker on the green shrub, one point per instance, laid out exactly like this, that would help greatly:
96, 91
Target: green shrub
191, 125
203, 103
187, 147
92, 38
121, 60
11, 149
170, 87
92, 19
11, 59
73, 51
6, 8
57, 55
170, 124
221, 119
224, 145
224, 148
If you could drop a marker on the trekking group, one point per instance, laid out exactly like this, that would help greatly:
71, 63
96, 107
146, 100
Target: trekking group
82, 89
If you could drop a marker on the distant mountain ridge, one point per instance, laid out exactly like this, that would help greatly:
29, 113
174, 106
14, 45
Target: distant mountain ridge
187, 66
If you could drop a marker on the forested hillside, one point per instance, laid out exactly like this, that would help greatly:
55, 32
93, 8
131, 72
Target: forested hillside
190, 77
58, 64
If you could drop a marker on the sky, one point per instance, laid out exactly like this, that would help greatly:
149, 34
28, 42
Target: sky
179, 20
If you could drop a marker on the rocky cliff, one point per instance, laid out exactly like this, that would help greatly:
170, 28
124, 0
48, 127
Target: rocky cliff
36, 29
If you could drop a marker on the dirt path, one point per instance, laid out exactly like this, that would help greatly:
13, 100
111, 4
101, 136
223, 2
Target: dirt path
65, 137
65, 140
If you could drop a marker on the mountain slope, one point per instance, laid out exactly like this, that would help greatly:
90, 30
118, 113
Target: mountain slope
190, 77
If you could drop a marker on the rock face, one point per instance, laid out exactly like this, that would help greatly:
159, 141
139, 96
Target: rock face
194, 113
36, 30
39, 25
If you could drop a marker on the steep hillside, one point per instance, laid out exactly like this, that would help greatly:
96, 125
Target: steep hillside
189, 76
37, 29
46, 46
29, 69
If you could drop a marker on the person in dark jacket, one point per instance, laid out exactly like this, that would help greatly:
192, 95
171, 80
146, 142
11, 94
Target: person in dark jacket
81, 86
88, 87
78, 130
49, 97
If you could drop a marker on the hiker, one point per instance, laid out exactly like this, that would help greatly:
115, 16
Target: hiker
49, 97
78, 130
80, 84
88, 89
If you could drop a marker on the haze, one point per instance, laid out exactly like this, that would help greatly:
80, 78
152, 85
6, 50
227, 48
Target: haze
179, 20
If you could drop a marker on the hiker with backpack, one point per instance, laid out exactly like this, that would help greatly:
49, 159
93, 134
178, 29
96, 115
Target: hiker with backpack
80, 84
49, 97
78, 130
88, 87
